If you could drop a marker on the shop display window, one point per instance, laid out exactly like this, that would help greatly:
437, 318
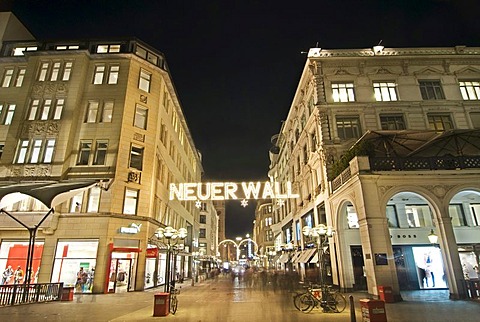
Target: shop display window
14, 254
75, 264
430, 270
469, 265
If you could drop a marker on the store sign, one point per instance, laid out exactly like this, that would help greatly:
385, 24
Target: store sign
152, 252
231, 191
132, 229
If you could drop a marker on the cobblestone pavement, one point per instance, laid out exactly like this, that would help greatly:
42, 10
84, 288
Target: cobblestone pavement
224, 300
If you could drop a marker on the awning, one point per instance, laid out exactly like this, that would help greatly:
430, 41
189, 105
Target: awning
295, 257
50, 193
314, 259
306, 255
275, 258
283, 258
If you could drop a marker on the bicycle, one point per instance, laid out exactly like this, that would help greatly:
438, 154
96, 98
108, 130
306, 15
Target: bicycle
297, 294
173, 299
326, 298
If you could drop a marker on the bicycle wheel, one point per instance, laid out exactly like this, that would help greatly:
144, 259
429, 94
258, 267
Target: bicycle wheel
173, 304
306, 303
296, 300
337, 302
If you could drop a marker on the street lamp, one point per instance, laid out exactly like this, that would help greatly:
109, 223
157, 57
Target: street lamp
170, 237
432, 237
195, 267
322, 233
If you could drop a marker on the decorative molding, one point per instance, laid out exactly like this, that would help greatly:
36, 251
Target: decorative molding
31, 171
40, 128
139, 137
143, 98
134, 176
428, 70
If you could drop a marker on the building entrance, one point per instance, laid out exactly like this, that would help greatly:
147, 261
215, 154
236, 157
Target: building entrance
121, 275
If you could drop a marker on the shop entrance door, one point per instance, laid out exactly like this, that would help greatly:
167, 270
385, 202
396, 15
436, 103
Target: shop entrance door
120, 276
358, 269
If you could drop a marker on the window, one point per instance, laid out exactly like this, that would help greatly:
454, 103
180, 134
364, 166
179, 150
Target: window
348, 127
20, 51
67, 47
107, 112
416, 215
385, 91
7, 77
47, 104
55, 71
9, 114
144, 81
130, 202
140, 120
203, 219
475, 209
457, 215
392, 216
67, 71
440, 122
42, 75
475, 117
20, 77
392, 122
84, 152
352, 218
35, 151
102, 49
58, 109
92, 110
33, 110
100, 152
76, 203
431, 90
470, 90
93, 201
343, 92
98, 74
113, 74
203, 233
136, 157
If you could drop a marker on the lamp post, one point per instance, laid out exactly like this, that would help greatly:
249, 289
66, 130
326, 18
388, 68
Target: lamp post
432, 237
322, 233
170, 237
195, 267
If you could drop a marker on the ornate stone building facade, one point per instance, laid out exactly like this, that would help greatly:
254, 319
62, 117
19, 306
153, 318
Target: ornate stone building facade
381, 144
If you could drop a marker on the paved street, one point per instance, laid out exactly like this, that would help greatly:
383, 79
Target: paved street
223, 300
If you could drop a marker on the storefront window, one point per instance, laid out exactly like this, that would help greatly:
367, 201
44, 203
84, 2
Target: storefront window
430, 269
14, 254
75, 264
469, 265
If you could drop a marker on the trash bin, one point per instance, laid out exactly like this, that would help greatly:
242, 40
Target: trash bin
385, 293
67, 293
161, 304
373, 310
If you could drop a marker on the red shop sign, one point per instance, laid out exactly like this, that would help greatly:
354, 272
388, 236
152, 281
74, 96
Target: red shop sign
152, 252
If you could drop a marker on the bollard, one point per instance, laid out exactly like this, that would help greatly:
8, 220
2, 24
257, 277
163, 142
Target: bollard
352, 309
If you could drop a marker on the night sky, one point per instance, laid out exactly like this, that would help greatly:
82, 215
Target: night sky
236, 64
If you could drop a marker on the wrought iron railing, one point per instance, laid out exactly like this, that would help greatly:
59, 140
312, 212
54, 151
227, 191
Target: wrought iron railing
33, 293
424, 163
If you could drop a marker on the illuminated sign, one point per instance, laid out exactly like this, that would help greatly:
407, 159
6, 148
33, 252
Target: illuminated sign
132, 229
231, 191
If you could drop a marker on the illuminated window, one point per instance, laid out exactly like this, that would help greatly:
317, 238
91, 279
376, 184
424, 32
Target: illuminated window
457, 215
343, 92
84, 152
22, 151
144, 81
47, 104
93, 202
67, 71
33, 110
470, 90
42, 75
392, 122
49, 148
55, 71
140, 120
92, 110
102, 49
7, 77
76, 203
352, 218
9, 114
107, 112
440, 122
35, 151
130, 202
392, 216
416, 215
136, 157
431, 90
20, 51
113, 74
348, 127
98, 74
385, 91
100, 152
58, 109
20, 77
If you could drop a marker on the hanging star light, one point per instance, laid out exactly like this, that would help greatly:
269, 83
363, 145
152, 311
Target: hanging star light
244, 203
280, 202
198, 204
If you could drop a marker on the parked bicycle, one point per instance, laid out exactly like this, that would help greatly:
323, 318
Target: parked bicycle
173, 298
324, 297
